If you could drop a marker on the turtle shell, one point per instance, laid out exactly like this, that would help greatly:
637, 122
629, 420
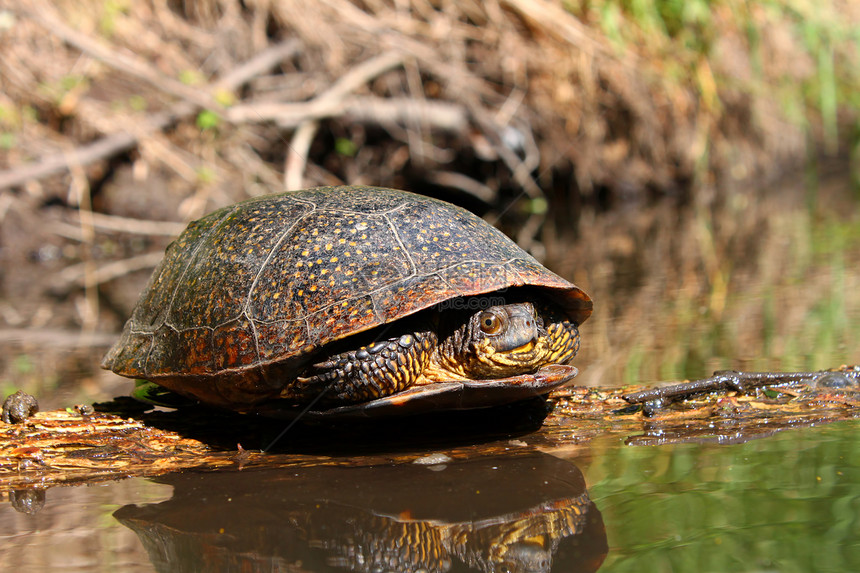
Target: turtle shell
249, 292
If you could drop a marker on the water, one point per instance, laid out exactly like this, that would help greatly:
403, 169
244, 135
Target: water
75, 530
785, 503
770, 282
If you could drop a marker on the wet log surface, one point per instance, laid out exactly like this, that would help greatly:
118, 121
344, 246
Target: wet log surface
122, 439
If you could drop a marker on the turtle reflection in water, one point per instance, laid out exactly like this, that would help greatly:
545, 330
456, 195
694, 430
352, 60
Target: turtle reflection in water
526, 513
377, 300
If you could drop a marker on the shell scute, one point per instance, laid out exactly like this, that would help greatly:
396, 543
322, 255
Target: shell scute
215, 286
313, 268
192, 348
236, 344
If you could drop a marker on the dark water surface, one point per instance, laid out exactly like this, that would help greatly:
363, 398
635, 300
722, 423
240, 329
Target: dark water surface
769, 282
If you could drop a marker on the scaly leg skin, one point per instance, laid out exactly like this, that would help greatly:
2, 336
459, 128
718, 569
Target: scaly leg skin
370, 372
564, 342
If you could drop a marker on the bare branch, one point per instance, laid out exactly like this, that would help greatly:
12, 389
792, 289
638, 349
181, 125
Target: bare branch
445, 116
358, 76
78, 276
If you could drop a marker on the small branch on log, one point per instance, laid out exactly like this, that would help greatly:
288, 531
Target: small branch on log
730, 380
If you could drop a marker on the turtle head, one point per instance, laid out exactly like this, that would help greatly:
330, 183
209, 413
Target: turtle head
511, 330
510, 339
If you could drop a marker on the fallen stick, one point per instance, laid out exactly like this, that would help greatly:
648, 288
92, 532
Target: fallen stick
445, 116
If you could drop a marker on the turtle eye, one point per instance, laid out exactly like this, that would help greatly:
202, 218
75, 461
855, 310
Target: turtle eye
490, 323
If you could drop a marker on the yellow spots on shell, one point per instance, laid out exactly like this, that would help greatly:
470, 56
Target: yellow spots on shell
313, 288
333, 260
305, 253
329, 246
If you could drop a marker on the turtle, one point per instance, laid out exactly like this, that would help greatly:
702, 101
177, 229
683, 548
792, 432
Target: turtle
350, 300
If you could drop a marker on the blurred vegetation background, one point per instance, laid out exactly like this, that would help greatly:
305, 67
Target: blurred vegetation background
692, 164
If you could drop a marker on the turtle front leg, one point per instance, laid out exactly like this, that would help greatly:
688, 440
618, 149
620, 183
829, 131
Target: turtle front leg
373, 371
564, 342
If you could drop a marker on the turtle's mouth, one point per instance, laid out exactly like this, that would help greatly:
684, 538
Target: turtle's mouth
527, 347
491, 362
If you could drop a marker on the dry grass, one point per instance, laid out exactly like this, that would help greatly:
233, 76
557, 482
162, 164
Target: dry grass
507, 93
